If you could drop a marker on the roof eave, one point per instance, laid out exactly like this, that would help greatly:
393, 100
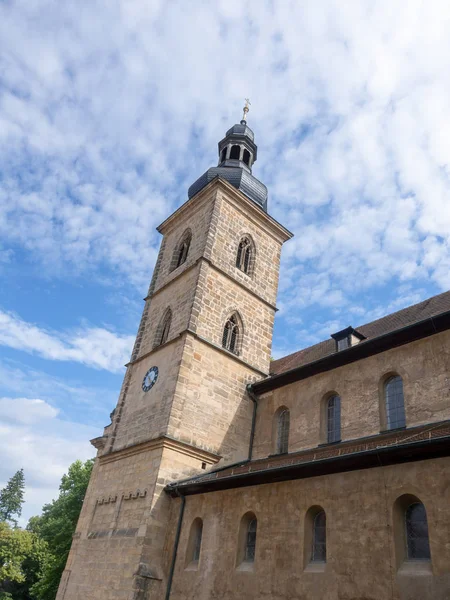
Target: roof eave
366, 348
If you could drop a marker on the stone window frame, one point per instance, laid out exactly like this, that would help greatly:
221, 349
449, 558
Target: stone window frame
404, 560
388, 376
280, 430
181, 250
247, 542
237, 350
252, 260
311, 560
194, 545
163, 329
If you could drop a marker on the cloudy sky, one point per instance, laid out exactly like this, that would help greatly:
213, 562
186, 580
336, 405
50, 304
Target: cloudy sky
109, 110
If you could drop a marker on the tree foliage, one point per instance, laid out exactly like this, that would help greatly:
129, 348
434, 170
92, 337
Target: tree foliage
11, 498
57, 524
22, 557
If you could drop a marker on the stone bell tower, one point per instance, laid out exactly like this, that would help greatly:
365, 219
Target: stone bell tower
205, 333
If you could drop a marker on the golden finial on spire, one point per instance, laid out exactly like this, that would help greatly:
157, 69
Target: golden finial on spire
246, 109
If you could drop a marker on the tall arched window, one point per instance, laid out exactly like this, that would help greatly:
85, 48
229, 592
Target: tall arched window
231, 333
224, 154
394, 402
181, 250
416, 524
235, 152
333, 419
244, 255
319, 538
194, 543
283, 422
246, 550
250, 546
246, 157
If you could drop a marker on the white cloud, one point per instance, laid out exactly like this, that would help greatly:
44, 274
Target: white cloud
93, 346
34, 438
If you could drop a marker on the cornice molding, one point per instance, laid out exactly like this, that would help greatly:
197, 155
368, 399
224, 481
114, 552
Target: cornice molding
165, 443
240, 200
219, 270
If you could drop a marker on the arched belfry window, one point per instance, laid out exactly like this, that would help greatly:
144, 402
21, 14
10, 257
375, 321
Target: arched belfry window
235, 152
394, 402
244, 256
333, 419
246, 157
232, 334
162, 333
223, 156
282, 424
181, 251
416, 524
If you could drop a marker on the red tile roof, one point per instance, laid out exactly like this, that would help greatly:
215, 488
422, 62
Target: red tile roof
402, 318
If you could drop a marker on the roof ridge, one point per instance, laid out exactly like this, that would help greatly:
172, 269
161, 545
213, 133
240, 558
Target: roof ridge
384, 324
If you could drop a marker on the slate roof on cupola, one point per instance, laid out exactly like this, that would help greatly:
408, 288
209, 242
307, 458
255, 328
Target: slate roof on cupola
237, 153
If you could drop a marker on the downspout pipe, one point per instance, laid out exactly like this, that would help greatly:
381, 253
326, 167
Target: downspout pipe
175, 545
254, 398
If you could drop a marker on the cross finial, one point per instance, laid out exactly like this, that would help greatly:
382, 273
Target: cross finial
246, 109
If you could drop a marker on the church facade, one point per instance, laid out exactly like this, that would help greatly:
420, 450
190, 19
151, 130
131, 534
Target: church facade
322, 475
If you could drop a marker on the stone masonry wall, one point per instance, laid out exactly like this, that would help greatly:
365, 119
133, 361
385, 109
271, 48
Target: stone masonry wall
232, 222
424, 366
361, 561
211, 409
145, 414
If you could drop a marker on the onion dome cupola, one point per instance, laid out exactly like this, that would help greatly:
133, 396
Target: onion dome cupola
237, 153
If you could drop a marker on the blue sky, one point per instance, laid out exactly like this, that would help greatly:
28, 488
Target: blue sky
109, 110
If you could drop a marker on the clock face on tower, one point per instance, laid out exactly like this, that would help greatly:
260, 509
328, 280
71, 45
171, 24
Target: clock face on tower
150, 379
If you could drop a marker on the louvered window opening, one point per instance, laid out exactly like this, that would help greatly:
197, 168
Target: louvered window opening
334, 419
319, 546
250, 545
197, 542
230, 335
165, 329
182, 253
283, 431
243, 257
417, 542
395, 403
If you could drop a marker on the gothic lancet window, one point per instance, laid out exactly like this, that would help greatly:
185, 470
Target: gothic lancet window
395, 404
244, 255
333, 419
230, 337
283, 422
181, 250
162, 333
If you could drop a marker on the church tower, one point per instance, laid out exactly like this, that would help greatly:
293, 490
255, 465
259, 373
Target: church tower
205, 333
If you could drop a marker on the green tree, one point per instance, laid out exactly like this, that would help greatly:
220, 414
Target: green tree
56, 526
22, 557
11, 498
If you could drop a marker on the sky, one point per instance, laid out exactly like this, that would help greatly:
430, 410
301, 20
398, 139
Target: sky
110, 109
